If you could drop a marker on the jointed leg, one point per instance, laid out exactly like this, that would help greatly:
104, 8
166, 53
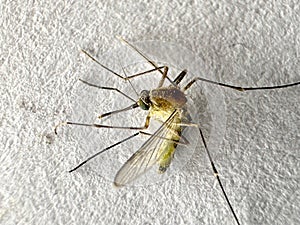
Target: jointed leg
216, 173
145, 57
146, 125
179, 78
107, 88
104, 150
185, 142
162, 80
157, 68
236, 87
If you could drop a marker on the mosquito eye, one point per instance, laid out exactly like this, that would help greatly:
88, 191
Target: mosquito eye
143, 105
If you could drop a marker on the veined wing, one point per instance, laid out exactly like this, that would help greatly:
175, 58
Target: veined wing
148, 154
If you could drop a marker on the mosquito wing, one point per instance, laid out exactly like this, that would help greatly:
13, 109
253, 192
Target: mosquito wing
148, 155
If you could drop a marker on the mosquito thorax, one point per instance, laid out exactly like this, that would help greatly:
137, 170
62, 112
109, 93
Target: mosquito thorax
168, 97
144, 100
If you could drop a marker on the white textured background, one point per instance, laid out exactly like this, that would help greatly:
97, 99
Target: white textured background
253, 43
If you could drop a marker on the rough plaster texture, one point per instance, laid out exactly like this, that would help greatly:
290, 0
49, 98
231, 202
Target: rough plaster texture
250, 43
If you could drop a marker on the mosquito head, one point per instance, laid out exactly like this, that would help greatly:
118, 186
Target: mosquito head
144, 100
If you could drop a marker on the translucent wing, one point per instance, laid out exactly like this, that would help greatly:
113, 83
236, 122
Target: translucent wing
148, 154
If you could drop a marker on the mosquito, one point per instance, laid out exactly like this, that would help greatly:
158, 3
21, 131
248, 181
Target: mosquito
168, 105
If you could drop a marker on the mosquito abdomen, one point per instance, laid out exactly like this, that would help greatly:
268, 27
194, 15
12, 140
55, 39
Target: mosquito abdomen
168, 147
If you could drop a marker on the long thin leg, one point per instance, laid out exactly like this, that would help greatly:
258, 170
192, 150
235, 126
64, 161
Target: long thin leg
146, 125
185, 142
110, 127
157, 68
102, 65
238, 88
216, 173
143, 73
135, 105
140, 53
179, 78
104, 150
107, 88
162, 80
175, 82
145, 57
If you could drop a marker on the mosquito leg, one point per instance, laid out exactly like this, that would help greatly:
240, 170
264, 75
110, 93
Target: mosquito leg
102, 65
135, 105
107, 88
217, 176
59, 125
140, 53
146, 125
179, 78
118, 143
145, 57
270, 87
104, 150
239, 88
157, 68
162, 80
145, 72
